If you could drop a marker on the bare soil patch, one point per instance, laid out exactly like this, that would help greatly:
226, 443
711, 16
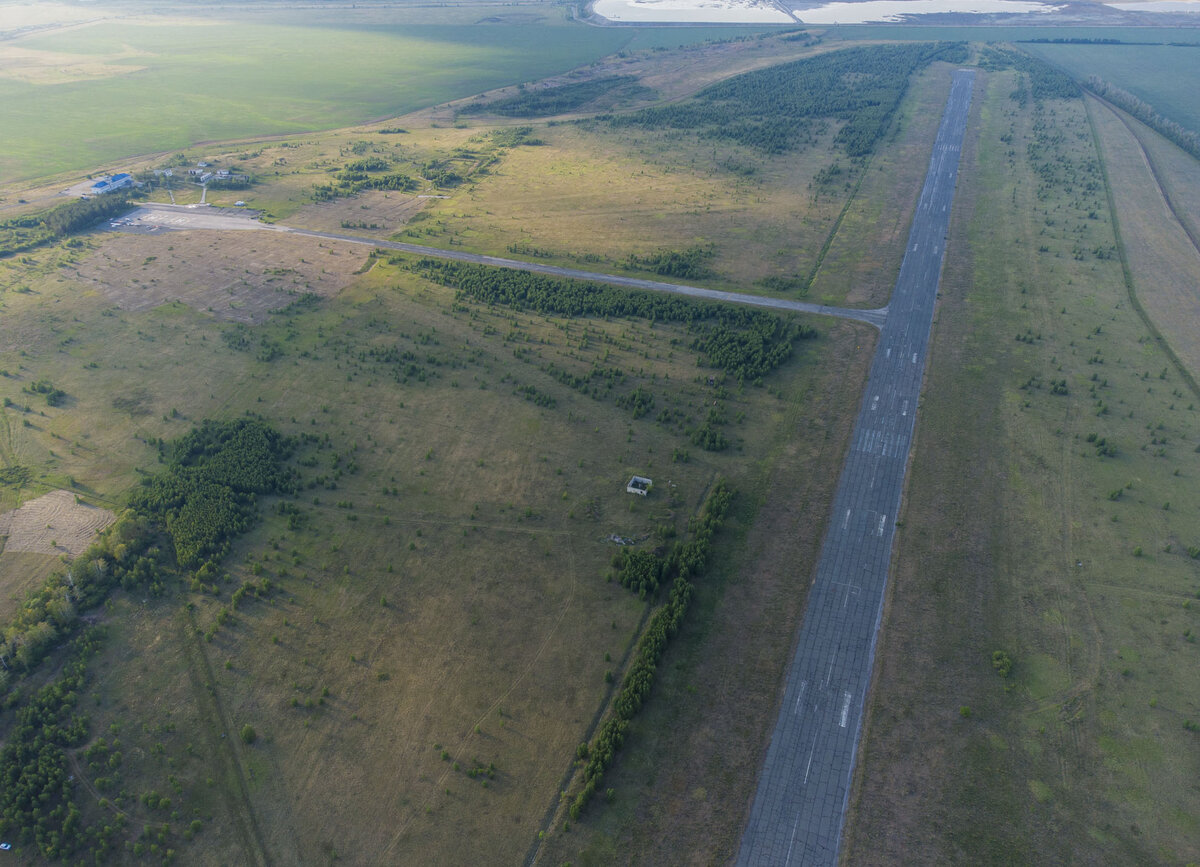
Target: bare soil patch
235, 276
54, 524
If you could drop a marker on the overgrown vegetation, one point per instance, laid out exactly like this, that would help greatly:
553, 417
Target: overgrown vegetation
203, 498
36, 784
774, 110
1044, 80
689, 264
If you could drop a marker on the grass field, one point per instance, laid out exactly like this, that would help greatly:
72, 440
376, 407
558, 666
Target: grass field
120, 89
1166, 76
1050, 524
1162, 257
438, 635
448, 588
442, 608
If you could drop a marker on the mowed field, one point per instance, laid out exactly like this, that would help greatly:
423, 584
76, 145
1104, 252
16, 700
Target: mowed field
1036, 700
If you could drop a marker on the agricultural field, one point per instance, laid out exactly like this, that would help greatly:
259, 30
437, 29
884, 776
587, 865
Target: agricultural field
86, 96
1165, 76
1038, 660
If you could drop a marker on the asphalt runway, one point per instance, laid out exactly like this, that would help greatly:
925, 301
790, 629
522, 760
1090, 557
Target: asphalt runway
800, 807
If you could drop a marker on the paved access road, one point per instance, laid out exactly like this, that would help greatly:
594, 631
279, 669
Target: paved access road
155, 216
800, 807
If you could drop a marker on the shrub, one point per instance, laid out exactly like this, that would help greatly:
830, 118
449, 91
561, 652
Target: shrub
1002, 663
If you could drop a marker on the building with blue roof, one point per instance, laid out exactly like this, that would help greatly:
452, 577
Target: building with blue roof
115, 182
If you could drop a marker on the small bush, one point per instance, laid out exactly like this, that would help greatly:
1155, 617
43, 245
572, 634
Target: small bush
1002, 663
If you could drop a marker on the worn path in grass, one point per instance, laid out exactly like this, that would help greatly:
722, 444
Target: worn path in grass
800, 807
154, 217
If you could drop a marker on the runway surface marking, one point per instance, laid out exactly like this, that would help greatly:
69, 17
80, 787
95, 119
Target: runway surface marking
800, 806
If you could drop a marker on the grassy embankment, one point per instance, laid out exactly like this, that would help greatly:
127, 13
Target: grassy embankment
1050, 515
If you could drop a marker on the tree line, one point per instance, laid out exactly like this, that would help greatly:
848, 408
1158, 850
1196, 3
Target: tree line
1187, 139
24, 233
746, 344
684, 562
547, 101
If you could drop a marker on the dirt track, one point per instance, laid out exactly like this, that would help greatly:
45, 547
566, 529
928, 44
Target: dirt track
165, 218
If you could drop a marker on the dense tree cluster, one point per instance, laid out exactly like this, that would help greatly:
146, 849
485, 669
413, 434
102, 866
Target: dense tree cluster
547, 101
690, 264
24, 233
207, 494
349, 181
683, 563
513, 136
639, 401
639, 570
746, 344
36, 806
54, 396
771, 110
1045, 81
